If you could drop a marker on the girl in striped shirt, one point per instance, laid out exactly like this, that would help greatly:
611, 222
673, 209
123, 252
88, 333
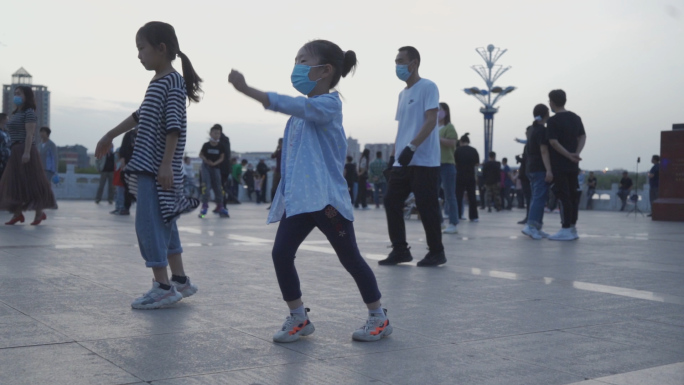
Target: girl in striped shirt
154, 173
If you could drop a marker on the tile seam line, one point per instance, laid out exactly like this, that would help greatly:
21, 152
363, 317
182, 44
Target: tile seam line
111, 362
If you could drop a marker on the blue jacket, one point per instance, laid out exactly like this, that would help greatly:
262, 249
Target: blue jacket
313, 154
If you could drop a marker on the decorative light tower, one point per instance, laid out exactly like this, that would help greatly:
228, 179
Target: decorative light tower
490, 74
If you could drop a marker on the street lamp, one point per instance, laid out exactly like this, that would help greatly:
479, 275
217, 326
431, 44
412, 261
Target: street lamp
490, 74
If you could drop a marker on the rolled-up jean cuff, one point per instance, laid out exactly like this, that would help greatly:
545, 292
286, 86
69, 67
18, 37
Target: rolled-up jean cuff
156, 264
175, 251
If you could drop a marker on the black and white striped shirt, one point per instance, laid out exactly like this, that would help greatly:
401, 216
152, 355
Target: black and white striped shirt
161, 113
16, 125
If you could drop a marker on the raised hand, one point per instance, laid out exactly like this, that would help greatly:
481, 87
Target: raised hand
237, 80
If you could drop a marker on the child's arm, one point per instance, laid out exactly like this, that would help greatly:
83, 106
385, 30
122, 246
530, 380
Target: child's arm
238, 81
105, 143
320, 109
165, 173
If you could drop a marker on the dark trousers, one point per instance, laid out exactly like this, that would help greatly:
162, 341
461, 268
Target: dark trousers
623, 194
564, 187
340, 233
274, 184
361, 196
423, 182
590, 198
466, 185
652, 196
128, 197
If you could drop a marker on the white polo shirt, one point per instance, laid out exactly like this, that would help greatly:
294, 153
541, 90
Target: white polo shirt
413, 103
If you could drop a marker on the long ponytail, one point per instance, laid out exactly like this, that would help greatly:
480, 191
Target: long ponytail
156, 33
192, 80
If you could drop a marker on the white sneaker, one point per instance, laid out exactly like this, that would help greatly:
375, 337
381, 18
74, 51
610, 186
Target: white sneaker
574, 231
156, 298
475, 220
543, 234
295, 326
563, 235
186, 289
451, 229
531, 232
374, 329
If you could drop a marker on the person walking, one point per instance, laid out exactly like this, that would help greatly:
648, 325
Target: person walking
467, 159
277, 154
591, 190
106, 166
125, 155
212, 155
624, 189
376, 173
154, 171
364, 165
416, 169
24, 186
48, 153
262, 180
491, 173
539, 172
447, 146
566, 137
506, 185
314, 147
654, 181
350, 176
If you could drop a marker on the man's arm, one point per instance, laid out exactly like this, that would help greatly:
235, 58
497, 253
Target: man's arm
561, 150
581, 140
547, 162
428, 125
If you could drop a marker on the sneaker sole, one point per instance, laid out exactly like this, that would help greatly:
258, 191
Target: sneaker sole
160, 304
450, 232
369, 338
430, 264
392, 263
308, 330
190, 291
530, 235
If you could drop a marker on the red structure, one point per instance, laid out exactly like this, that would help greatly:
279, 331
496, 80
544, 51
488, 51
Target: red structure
670, 203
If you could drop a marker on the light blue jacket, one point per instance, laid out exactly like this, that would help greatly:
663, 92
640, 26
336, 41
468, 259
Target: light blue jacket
314, 150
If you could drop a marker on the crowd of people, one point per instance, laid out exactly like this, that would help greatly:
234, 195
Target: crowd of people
312, 186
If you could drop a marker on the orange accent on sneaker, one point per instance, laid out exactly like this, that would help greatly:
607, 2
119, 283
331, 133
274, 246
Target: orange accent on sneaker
299, 327
379, 329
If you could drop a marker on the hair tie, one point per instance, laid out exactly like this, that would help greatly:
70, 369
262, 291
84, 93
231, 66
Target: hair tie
538, 118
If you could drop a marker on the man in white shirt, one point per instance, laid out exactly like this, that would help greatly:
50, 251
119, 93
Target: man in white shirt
417, 167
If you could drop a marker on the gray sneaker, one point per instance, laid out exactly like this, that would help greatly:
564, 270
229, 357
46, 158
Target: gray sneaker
295, 326
186, 289
532, 232
374, 329
156, 298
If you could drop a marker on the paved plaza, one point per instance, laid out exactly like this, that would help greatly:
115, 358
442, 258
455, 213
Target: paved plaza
607, 309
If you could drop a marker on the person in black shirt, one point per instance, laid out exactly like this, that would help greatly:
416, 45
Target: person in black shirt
105, 166
524, 179
538, 168
591, 190
262, 180
654, 181
491, 172
566, 138
624, 189
351, 176
212, 155
126, 152
467, 160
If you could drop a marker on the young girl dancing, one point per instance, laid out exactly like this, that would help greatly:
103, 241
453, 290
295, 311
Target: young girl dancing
154, 172
312, 191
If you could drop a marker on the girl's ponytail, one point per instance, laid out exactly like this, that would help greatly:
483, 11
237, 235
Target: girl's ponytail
192, 80
349, 62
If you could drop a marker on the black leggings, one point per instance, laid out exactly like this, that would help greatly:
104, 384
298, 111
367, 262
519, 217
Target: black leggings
340, 233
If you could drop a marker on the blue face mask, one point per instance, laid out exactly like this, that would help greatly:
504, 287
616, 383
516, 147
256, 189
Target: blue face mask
18, 101
300, 78
403, 72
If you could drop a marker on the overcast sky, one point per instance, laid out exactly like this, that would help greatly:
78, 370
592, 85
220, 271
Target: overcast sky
620, 62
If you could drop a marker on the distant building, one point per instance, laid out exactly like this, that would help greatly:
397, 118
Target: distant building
41, 93
76, 155
385, 148
353, 149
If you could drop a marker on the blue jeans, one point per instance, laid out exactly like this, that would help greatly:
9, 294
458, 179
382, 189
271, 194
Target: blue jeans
540, 194
156, 239
448, 177
340, 233
376, 192
211, 179
120, 196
